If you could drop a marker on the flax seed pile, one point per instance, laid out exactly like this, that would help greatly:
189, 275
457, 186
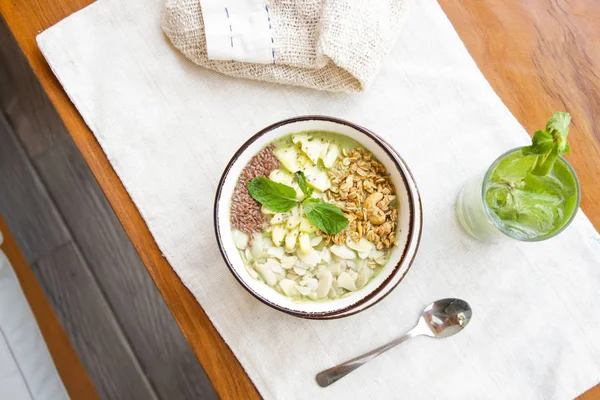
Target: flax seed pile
245, 211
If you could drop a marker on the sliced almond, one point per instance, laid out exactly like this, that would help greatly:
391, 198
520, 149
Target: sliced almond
343, 251
316, 240
312, 258
362, 246
288, 287
345, 281
325, 280
267, 274
276, 252
240, 239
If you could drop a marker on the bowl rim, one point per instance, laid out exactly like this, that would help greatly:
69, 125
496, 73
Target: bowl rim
400, 164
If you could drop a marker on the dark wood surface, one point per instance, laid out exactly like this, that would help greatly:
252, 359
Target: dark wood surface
52, 200
24, 101
161, 350
69, 367
539, 55
83, 310
77, 299
19, 183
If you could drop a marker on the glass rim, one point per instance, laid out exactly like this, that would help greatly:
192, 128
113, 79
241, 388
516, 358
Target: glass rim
489, 213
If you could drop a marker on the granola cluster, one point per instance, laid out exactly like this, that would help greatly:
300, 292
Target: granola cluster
361, 187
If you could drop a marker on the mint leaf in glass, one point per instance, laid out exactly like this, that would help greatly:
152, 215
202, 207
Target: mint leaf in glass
327, 217
559, 124
541, 143
275, 196
301, 179
549, 144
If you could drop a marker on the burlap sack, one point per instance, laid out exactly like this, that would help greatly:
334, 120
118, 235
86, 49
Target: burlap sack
336, 45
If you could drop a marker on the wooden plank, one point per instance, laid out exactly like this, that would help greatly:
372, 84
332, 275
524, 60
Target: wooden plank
25, 19
21, 192
160, 347
93, 330
69, 367
23, 100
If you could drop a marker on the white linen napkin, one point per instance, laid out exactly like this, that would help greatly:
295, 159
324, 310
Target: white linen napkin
169, 128
336, 45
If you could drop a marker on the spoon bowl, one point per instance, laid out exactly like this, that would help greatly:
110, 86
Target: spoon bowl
446, 317
440, 319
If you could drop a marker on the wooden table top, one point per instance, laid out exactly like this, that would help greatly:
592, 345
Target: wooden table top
540, 56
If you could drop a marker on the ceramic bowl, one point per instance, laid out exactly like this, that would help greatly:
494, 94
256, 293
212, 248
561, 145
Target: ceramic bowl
410, 220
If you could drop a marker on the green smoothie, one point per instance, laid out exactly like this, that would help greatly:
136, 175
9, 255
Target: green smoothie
528, 194
528, 206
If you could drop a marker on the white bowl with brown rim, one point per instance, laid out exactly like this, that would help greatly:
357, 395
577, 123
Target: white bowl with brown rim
410, 220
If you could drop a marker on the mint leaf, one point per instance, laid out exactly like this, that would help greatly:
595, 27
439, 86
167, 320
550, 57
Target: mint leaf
558, 124
548, 145
301, 179
275, 196
327, 217
541, 143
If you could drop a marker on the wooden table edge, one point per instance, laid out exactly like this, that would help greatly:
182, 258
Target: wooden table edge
221, 366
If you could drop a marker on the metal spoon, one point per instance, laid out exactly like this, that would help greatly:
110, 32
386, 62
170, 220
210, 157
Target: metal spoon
440, 319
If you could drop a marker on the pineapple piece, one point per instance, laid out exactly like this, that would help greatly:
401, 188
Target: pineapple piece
304, 161
277, 234
290, 239
330, 156
266, 211
306, 226
288, 157
299, 138
311, 146
281, 176
317, 178
293, 220
279, 218
299, 193
304, 242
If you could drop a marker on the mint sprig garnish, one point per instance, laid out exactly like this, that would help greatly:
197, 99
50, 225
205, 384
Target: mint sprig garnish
327, 217
548, 144
275, 196
280, 198
301, 179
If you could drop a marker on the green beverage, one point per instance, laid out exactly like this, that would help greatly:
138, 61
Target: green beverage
528, 194
527, 206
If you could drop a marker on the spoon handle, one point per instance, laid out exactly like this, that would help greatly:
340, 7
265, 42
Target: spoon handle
333, 374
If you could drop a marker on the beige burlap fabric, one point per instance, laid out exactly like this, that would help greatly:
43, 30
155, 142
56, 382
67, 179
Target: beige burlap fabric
336, 45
